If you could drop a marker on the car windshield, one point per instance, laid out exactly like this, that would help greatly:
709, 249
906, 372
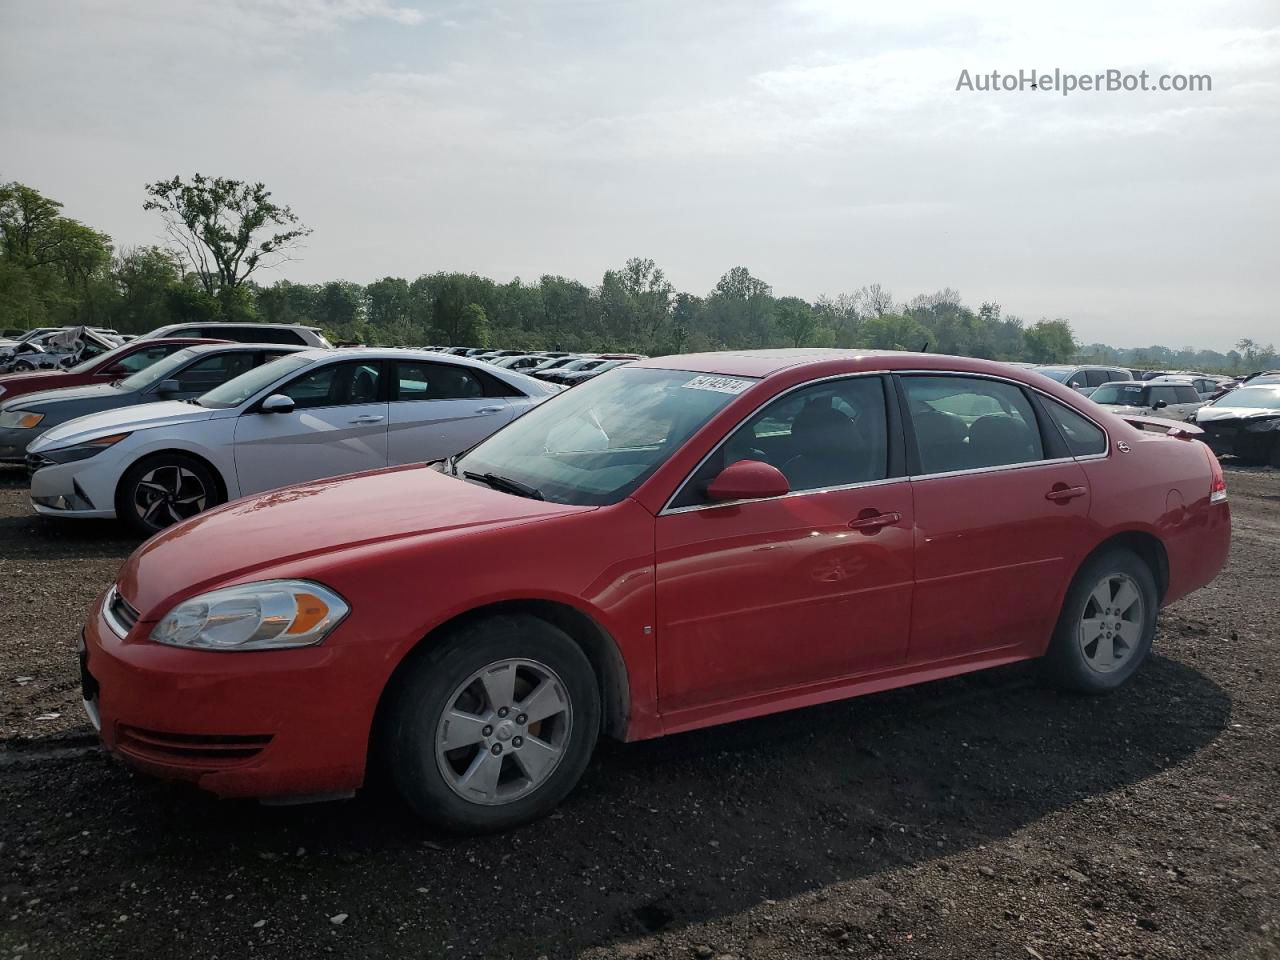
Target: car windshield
1252, 398
1125, 394
237, 391
597, 443
1055, 373
88, 365
160, 370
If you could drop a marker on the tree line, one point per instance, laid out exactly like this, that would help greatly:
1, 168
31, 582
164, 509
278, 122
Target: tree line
223, 233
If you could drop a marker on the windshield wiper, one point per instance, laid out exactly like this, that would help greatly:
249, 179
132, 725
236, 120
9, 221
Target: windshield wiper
506, 484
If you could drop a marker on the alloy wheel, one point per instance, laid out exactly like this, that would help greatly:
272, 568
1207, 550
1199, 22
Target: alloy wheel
168, 494
504, 731
1112, 625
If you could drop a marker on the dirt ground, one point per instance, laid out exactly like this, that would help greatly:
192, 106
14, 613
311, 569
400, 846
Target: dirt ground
984, 817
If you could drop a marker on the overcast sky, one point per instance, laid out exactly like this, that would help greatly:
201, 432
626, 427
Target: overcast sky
821, 144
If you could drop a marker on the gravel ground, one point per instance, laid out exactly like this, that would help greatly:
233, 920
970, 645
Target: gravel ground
981, 817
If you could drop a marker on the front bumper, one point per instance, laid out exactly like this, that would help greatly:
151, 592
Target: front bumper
265, 724
82, 489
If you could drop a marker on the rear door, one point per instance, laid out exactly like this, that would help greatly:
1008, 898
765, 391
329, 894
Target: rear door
438, 409
338, 425
1001, 516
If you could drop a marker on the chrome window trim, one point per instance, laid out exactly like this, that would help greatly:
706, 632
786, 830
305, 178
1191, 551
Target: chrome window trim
667, 509
794, 493
118, 628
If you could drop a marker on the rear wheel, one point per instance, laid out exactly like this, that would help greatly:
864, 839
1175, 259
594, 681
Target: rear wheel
494, 726
1106, 626
159, 491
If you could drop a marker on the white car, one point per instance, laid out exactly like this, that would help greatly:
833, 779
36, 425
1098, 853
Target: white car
1206, 387
1173, 398
311, 414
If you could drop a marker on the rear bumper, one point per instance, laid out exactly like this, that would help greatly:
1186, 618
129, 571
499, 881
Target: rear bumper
267, 724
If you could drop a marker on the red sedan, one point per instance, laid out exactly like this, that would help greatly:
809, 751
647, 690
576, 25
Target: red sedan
105, 367
682, 542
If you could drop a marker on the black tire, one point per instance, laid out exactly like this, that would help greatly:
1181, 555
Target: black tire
1068, 664
426, 687
23, 366
132, 495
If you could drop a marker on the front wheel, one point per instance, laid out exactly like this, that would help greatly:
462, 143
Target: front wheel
1106, 626
494, 726
23, 366
159, 491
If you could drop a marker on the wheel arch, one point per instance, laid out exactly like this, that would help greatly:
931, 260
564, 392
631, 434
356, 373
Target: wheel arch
596, 643
175, 452
1148, 547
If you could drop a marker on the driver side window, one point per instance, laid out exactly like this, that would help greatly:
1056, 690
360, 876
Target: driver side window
830, 434
336, 384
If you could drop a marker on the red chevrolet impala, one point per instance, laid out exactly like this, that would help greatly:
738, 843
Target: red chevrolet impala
681, 542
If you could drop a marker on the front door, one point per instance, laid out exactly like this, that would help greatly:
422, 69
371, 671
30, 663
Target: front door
759, 596
338, 425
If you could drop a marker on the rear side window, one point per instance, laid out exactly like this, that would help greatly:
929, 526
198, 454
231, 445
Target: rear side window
1096, 378
1166, 394
1187, 394
436, 381
964, 424
1083, 437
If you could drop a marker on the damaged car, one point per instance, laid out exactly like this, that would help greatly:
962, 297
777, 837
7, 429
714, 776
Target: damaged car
1245, 424
56, 350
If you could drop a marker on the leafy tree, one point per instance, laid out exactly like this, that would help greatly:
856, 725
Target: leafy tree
145, 278
892, 331
227, 229
1050, 341
796, 321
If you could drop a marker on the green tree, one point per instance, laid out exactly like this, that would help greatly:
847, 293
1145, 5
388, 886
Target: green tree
227, 229
1050, 341
144, 278
795, 320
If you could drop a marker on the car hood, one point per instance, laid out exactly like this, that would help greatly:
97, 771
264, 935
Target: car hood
230, 543
104, 392
134, 417
1219, 412
44, 379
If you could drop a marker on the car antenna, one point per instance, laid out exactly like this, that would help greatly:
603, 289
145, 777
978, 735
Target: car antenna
925, 348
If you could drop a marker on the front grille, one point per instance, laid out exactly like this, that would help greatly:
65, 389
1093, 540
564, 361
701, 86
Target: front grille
120, 613
36, 462
201, 749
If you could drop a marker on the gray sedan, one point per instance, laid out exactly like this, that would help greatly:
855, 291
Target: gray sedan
180, 376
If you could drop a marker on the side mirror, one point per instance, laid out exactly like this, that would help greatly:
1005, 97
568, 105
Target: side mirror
748, 480
277, 403
1159, 405
169, 386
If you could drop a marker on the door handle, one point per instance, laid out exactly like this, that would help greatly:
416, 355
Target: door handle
489, 410
1062, 493
875, 521
369, 419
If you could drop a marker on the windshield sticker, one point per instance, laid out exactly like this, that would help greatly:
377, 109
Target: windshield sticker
718, 384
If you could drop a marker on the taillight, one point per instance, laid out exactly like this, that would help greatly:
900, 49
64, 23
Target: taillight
1218, 482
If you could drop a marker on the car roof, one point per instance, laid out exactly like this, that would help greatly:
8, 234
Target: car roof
764, 363
234, 347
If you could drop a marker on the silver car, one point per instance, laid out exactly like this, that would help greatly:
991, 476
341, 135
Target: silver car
1172, 401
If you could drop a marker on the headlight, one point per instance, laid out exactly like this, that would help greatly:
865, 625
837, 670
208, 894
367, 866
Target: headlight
1264, 426
20, 418
269, 615
82, 451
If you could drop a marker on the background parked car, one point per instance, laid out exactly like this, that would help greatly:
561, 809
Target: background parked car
294, 334
181, 375
1245, 423
123, 361
1084, 379
1152, 398
1206, 386
56, 349
557, 374
575, 377
313, 414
